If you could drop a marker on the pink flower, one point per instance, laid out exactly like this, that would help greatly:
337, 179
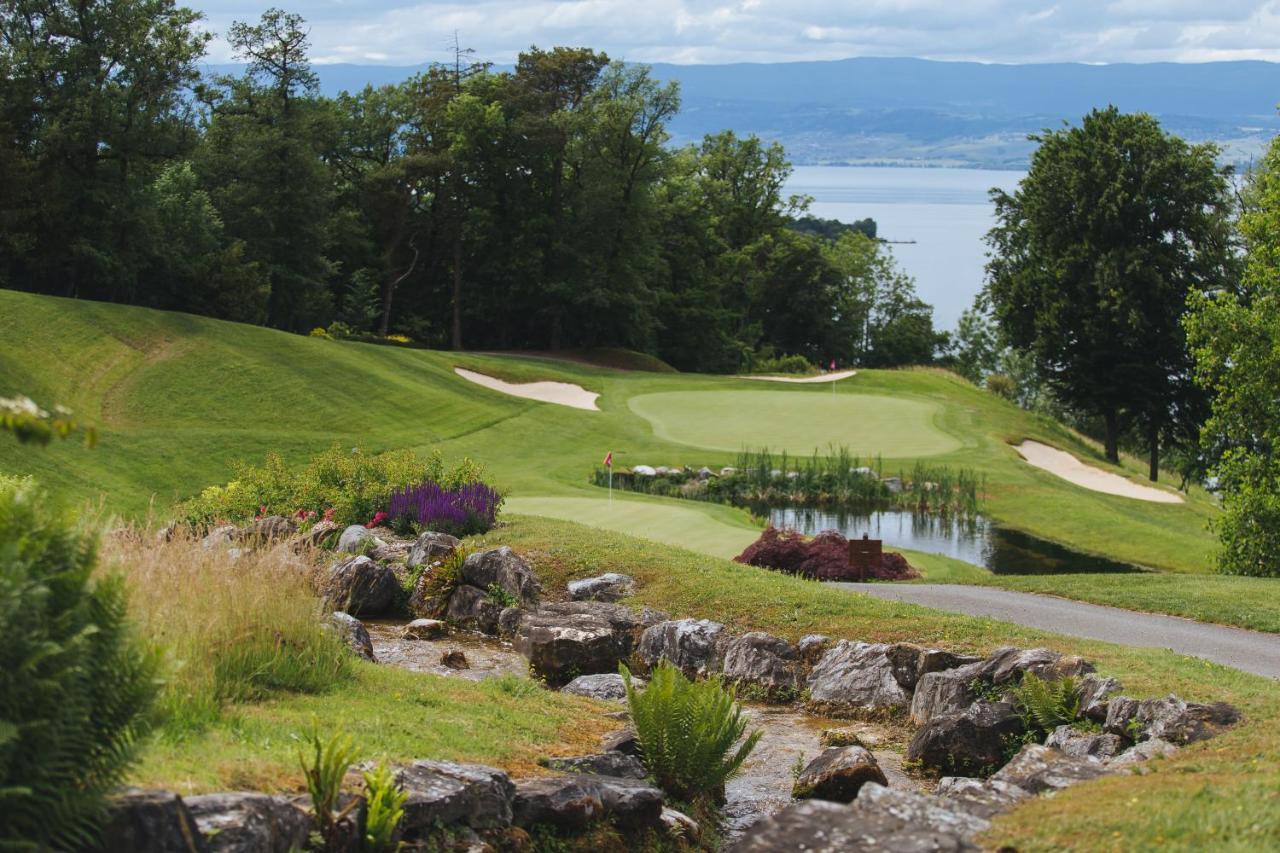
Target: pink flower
328, 514
377, 519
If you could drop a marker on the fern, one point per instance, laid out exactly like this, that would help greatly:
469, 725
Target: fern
324, 774
385, 798
687, 731
1047, 704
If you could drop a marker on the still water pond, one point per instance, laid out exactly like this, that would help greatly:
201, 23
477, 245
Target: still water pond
977, 541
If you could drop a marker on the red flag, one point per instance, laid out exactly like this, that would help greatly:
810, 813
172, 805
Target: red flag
608, 459
833, 364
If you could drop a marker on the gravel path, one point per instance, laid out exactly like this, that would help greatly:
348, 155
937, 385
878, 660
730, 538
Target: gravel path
1251, 651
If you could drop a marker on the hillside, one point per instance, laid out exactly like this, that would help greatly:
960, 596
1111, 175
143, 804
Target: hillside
179, 398
916, 111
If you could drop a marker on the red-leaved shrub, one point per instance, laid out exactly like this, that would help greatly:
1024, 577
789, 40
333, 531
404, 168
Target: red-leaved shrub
824, 557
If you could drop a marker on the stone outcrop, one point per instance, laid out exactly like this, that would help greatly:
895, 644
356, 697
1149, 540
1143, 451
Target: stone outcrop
264, 531
606, 686
357, 539
576, 801
969, 742
150, 822
1038, 769
856, 677
562, 645
1081, 744
838, 774
504, 569
425, 629
610, 586
617, 764
473, 609
361, 587
250, 822
442, 793
356, 635
430, 547
763, 661
696, 646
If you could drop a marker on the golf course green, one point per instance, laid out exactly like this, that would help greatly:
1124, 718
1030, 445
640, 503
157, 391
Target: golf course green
796, 421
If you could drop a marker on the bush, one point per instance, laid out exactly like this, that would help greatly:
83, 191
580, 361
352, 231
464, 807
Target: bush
346, 486
825, 557
469, 509
686, 730
75, 681
1002, 386
1046, 704
793, 364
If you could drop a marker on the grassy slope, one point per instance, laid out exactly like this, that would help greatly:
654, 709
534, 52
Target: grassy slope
178, 398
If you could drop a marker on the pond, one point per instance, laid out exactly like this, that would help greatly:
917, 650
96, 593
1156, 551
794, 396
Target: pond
978, 540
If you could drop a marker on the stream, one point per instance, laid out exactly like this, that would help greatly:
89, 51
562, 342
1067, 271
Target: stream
761, 788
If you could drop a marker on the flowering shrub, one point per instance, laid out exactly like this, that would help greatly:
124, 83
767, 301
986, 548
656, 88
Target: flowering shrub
343, 486
463, 511
825, 557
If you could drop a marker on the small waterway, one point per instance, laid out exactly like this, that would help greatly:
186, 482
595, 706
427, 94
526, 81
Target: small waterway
978, 541
486, 657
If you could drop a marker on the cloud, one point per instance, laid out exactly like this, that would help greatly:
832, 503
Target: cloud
391, 32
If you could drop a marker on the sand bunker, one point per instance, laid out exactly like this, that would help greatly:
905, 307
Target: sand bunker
560, 393
1064, 465
825, 377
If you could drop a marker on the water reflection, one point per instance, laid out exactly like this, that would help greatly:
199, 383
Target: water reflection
977, 541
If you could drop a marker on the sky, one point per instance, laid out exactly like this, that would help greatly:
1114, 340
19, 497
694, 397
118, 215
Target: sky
393, 32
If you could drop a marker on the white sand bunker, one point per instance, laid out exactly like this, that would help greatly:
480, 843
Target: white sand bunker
1064, 465
825, 377
560, 393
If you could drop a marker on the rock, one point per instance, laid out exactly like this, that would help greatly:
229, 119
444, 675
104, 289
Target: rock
1007, 665
250, 823
472, 608
509, 621
149, 822
361, 587
615, 764
1080, 744
904, 661
818, 826
503, 568
937, 660
264, 531
425, 629
218, 536
562, 645
424, 601
315, 535
705, 473
607, 587
693, 645
982, 798
626, 624
919, 811
644, 470
1038, 769
970, 742
574, 802
607, 686
679, 826
838, 774
856, 677
166, 533
946, 692
1121, 719
442, 793
354, 632
623, 740
812, 647
893, 484
455, 659
1145, 751
1173, 720
429, 547
764, 661
1094, 692
391, 552
728, 471
357, 539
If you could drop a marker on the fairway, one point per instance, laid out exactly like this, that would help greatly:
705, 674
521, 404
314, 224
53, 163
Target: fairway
798, 422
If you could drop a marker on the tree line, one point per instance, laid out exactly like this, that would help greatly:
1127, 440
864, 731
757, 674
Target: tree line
539, 207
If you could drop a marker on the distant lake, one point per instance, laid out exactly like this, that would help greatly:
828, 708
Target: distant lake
946, 211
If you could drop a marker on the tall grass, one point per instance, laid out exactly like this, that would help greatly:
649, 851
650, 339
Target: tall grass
233, 629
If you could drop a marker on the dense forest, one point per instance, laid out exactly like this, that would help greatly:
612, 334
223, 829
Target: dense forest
541, 207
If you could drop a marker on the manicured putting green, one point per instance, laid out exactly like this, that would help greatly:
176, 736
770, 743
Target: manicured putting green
796, 421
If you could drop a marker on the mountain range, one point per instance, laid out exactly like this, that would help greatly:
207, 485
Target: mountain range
883, 111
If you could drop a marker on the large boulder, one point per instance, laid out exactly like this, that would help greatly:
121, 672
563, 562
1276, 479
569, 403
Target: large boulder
607, 587
1038, 769
696, 646
944, 692
1173, 720
315, 535
856, 677
352, 630
429, 547
250, 823
149, 822
971, 742
1007, 665
425, 629
425, 601
266, 530
764, 661
607, 686
442, 793
361, 587
617, 764
982, 798
1142, 752
626, 624
474, 609
504, 569
562, 646
357, 539
1082, 744
575, 802
837, 774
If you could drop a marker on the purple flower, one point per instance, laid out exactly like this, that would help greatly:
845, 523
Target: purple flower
473, 508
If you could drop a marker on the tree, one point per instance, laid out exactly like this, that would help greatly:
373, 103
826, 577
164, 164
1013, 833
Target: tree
1093, 260
1235, 336
975, 346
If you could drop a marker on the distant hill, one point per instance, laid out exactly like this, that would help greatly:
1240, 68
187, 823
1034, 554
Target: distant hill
921, 112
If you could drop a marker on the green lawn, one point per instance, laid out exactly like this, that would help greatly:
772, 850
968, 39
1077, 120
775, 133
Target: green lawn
178, 398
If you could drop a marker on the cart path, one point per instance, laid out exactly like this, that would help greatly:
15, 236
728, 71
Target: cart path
1251, 651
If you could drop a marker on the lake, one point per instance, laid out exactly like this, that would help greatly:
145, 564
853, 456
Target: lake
946, 211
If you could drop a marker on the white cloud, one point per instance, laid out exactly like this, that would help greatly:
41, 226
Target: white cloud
394, 32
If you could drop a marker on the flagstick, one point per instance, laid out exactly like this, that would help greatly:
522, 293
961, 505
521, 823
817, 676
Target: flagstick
610, 487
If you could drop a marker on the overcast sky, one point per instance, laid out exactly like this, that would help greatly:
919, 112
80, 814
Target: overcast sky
698, 31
